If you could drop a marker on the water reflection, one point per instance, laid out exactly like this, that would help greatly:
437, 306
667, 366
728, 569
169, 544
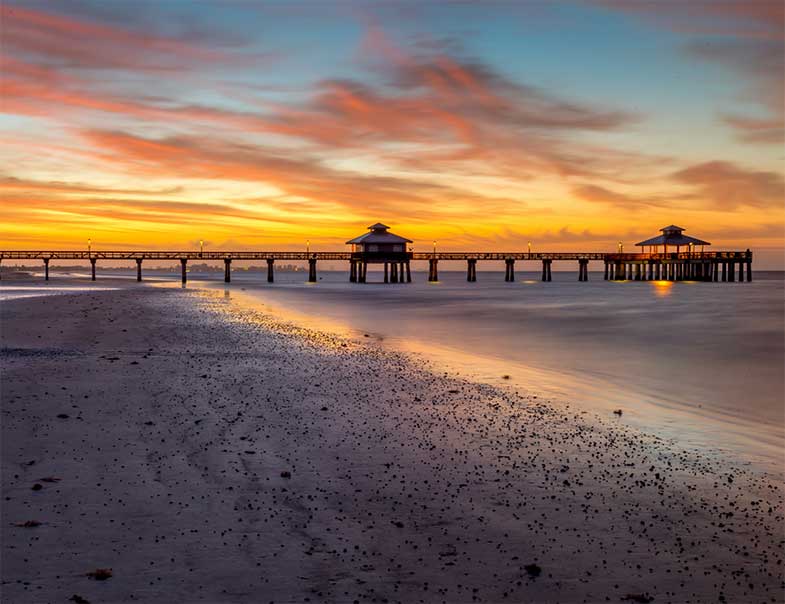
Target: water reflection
662, 289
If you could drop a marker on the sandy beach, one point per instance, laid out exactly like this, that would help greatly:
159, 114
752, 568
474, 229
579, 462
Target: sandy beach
206, 451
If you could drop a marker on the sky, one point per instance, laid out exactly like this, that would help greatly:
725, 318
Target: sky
263, 125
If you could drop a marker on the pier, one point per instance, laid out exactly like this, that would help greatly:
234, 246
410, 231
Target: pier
715, 266
380, 246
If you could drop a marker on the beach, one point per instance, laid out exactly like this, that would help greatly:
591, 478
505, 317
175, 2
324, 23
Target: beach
207, 450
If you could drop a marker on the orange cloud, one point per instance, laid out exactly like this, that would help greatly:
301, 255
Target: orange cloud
727, 186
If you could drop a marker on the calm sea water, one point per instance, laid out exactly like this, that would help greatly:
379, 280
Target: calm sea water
702, 363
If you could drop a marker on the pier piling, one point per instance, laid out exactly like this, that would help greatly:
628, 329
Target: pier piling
227, 270
433, 269
583, 269
46, 269
270, 270
546, 269
471, 270
92, 266
509, 269
183, 263
138, 269
312, 270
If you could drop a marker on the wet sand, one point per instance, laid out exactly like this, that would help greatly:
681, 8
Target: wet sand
207, 452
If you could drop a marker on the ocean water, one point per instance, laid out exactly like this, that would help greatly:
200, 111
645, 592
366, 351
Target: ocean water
700, 363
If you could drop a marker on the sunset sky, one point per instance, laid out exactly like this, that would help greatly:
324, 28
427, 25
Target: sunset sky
261, 125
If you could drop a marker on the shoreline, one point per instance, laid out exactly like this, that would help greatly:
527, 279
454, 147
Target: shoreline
598, 390
237, 398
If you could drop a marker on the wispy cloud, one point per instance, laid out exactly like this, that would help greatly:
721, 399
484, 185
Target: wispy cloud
727, 186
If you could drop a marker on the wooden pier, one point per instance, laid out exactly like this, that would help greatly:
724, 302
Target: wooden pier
671, 266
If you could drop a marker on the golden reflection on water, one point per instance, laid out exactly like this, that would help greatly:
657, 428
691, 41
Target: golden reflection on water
662, 289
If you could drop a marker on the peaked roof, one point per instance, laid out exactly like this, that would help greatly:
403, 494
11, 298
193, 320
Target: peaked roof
378, 233
672, 235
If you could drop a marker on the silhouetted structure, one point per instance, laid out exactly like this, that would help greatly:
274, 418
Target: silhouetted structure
672, 236
380, 246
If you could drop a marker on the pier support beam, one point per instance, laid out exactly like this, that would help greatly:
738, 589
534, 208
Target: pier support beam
607, 270
352, 271
546, 269
92, 267
749, 270
637, 272
386, 276
393, 272
139, 270
724, 271
270, 270
732, 271
741, 271
312, 270
471, 270
227, 270
408, 272
46, 269
183, 264
715, 266
509, 270
433, 269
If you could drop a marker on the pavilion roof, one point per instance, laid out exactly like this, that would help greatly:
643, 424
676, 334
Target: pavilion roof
378, 233
673, 239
